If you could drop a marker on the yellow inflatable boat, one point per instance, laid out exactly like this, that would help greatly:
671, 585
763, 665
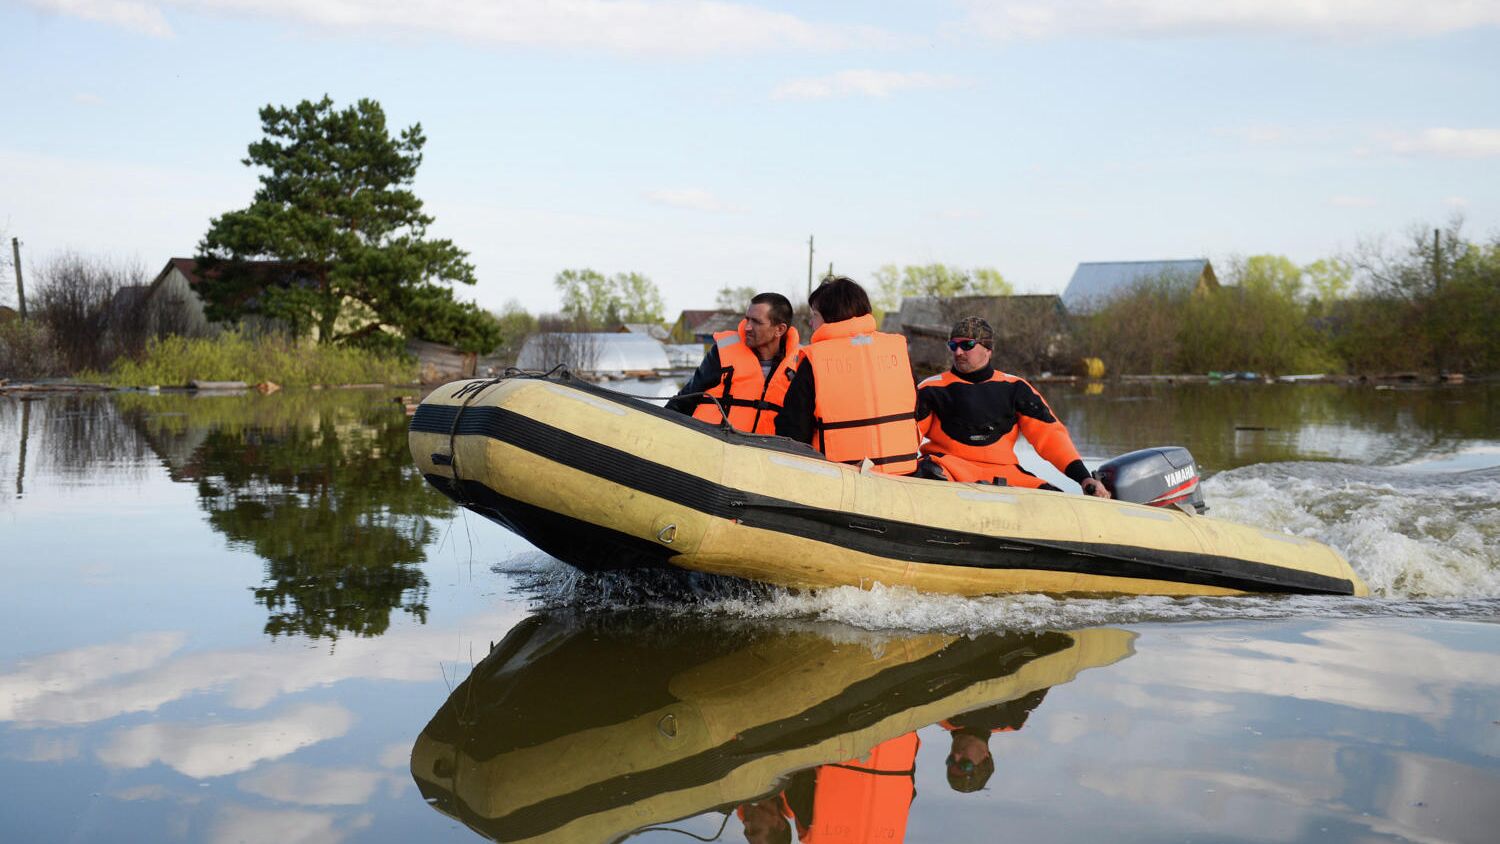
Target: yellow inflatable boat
604, 481
585, 731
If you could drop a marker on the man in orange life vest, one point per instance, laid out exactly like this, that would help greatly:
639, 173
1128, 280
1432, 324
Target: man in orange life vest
853, 396
972, 414
870, 798
747, 370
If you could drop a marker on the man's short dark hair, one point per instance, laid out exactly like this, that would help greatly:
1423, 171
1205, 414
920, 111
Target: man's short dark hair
839, 298
781, 310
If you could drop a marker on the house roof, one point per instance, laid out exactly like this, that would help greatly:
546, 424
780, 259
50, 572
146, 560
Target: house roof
651, 329
265, 270
717, 321
1097, 281
688, 319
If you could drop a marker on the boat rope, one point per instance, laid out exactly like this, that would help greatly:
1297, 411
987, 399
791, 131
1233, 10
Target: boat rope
685, 832
564, 374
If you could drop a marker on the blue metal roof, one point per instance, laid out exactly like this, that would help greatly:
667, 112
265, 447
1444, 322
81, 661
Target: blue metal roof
1097, 281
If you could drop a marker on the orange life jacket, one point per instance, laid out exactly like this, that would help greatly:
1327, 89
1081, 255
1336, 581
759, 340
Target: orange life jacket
967, 462
752, 399
866, 799
864, 404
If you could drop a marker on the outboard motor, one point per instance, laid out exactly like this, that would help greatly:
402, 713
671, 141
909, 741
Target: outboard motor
1160, 477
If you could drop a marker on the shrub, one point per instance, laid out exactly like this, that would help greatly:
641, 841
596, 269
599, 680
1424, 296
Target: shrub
234, 356
27, 351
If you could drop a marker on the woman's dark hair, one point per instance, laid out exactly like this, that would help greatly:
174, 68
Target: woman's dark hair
780, 311
839, 298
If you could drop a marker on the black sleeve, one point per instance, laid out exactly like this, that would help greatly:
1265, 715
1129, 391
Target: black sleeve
706, 375
924, 404
1077, 472
796, 417
1010, 715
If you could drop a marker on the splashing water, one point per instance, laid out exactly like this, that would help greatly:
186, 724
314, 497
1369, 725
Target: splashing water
1408, 534
1427, 544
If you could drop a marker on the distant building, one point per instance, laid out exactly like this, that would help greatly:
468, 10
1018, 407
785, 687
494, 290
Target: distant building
175, 296
7, 314
656, 331
700, 326
594, 352
1094, 283
438, 363
684, 355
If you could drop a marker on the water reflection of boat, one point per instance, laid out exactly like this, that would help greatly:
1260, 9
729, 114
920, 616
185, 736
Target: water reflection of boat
601, 480
573, 731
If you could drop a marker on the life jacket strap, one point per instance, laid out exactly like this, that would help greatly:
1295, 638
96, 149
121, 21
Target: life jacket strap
860, 423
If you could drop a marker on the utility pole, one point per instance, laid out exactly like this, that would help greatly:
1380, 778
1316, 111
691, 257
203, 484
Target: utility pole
1437, 261
1436, 306
15, 251
809, 265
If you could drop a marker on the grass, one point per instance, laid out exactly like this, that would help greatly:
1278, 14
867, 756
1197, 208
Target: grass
232, 356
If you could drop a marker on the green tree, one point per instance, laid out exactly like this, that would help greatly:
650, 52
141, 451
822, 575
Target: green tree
335, 208
516, 324
1329, 279
591, 299
734, 298
893, 283
321, 487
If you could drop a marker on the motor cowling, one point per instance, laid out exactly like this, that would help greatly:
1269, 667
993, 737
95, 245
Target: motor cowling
1166, 476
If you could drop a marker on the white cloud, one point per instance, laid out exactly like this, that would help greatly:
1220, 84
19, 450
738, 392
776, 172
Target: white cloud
143, 17
240, 825
1417, 676
308, 786
87, 99
396, 755
1350, 201
217, 750
864, 83
29, 690
1450, 143
1334, 18
1459, 202
649, 27
96, 683
693, 199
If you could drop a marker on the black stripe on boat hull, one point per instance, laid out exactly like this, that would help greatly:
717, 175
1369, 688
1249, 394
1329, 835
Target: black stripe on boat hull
880, 537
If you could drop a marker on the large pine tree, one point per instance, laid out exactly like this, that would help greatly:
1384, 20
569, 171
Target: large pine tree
335, 209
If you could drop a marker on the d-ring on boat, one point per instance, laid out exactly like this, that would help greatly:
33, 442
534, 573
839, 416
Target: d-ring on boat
601, 480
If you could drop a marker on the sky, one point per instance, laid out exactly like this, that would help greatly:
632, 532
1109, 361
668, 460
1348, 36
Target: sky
703, 143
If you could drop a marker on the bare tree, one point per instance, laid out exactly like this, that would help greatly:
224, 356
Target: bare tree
81, 299
562, 341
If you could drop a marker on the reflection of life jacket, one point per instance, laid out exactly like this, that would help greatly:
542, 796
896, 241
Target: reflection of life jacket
865, 799
864, 399
971, 428
752, 399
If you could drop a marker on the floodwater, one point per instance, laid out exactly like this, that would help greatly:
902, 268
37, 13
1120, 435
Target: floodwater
246, 618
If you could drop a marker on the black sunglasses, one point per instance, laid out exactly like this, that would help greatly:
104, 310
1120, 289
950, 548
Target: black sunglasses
965, 344
963, 764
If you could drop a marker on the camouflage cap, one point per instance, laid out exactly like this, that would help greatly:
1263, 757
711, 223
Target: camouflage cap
974, 328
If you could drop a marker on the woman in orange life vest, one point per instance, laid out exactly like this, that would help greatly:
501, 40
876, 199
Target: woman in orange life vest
747, 370
853, 396
972, 414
